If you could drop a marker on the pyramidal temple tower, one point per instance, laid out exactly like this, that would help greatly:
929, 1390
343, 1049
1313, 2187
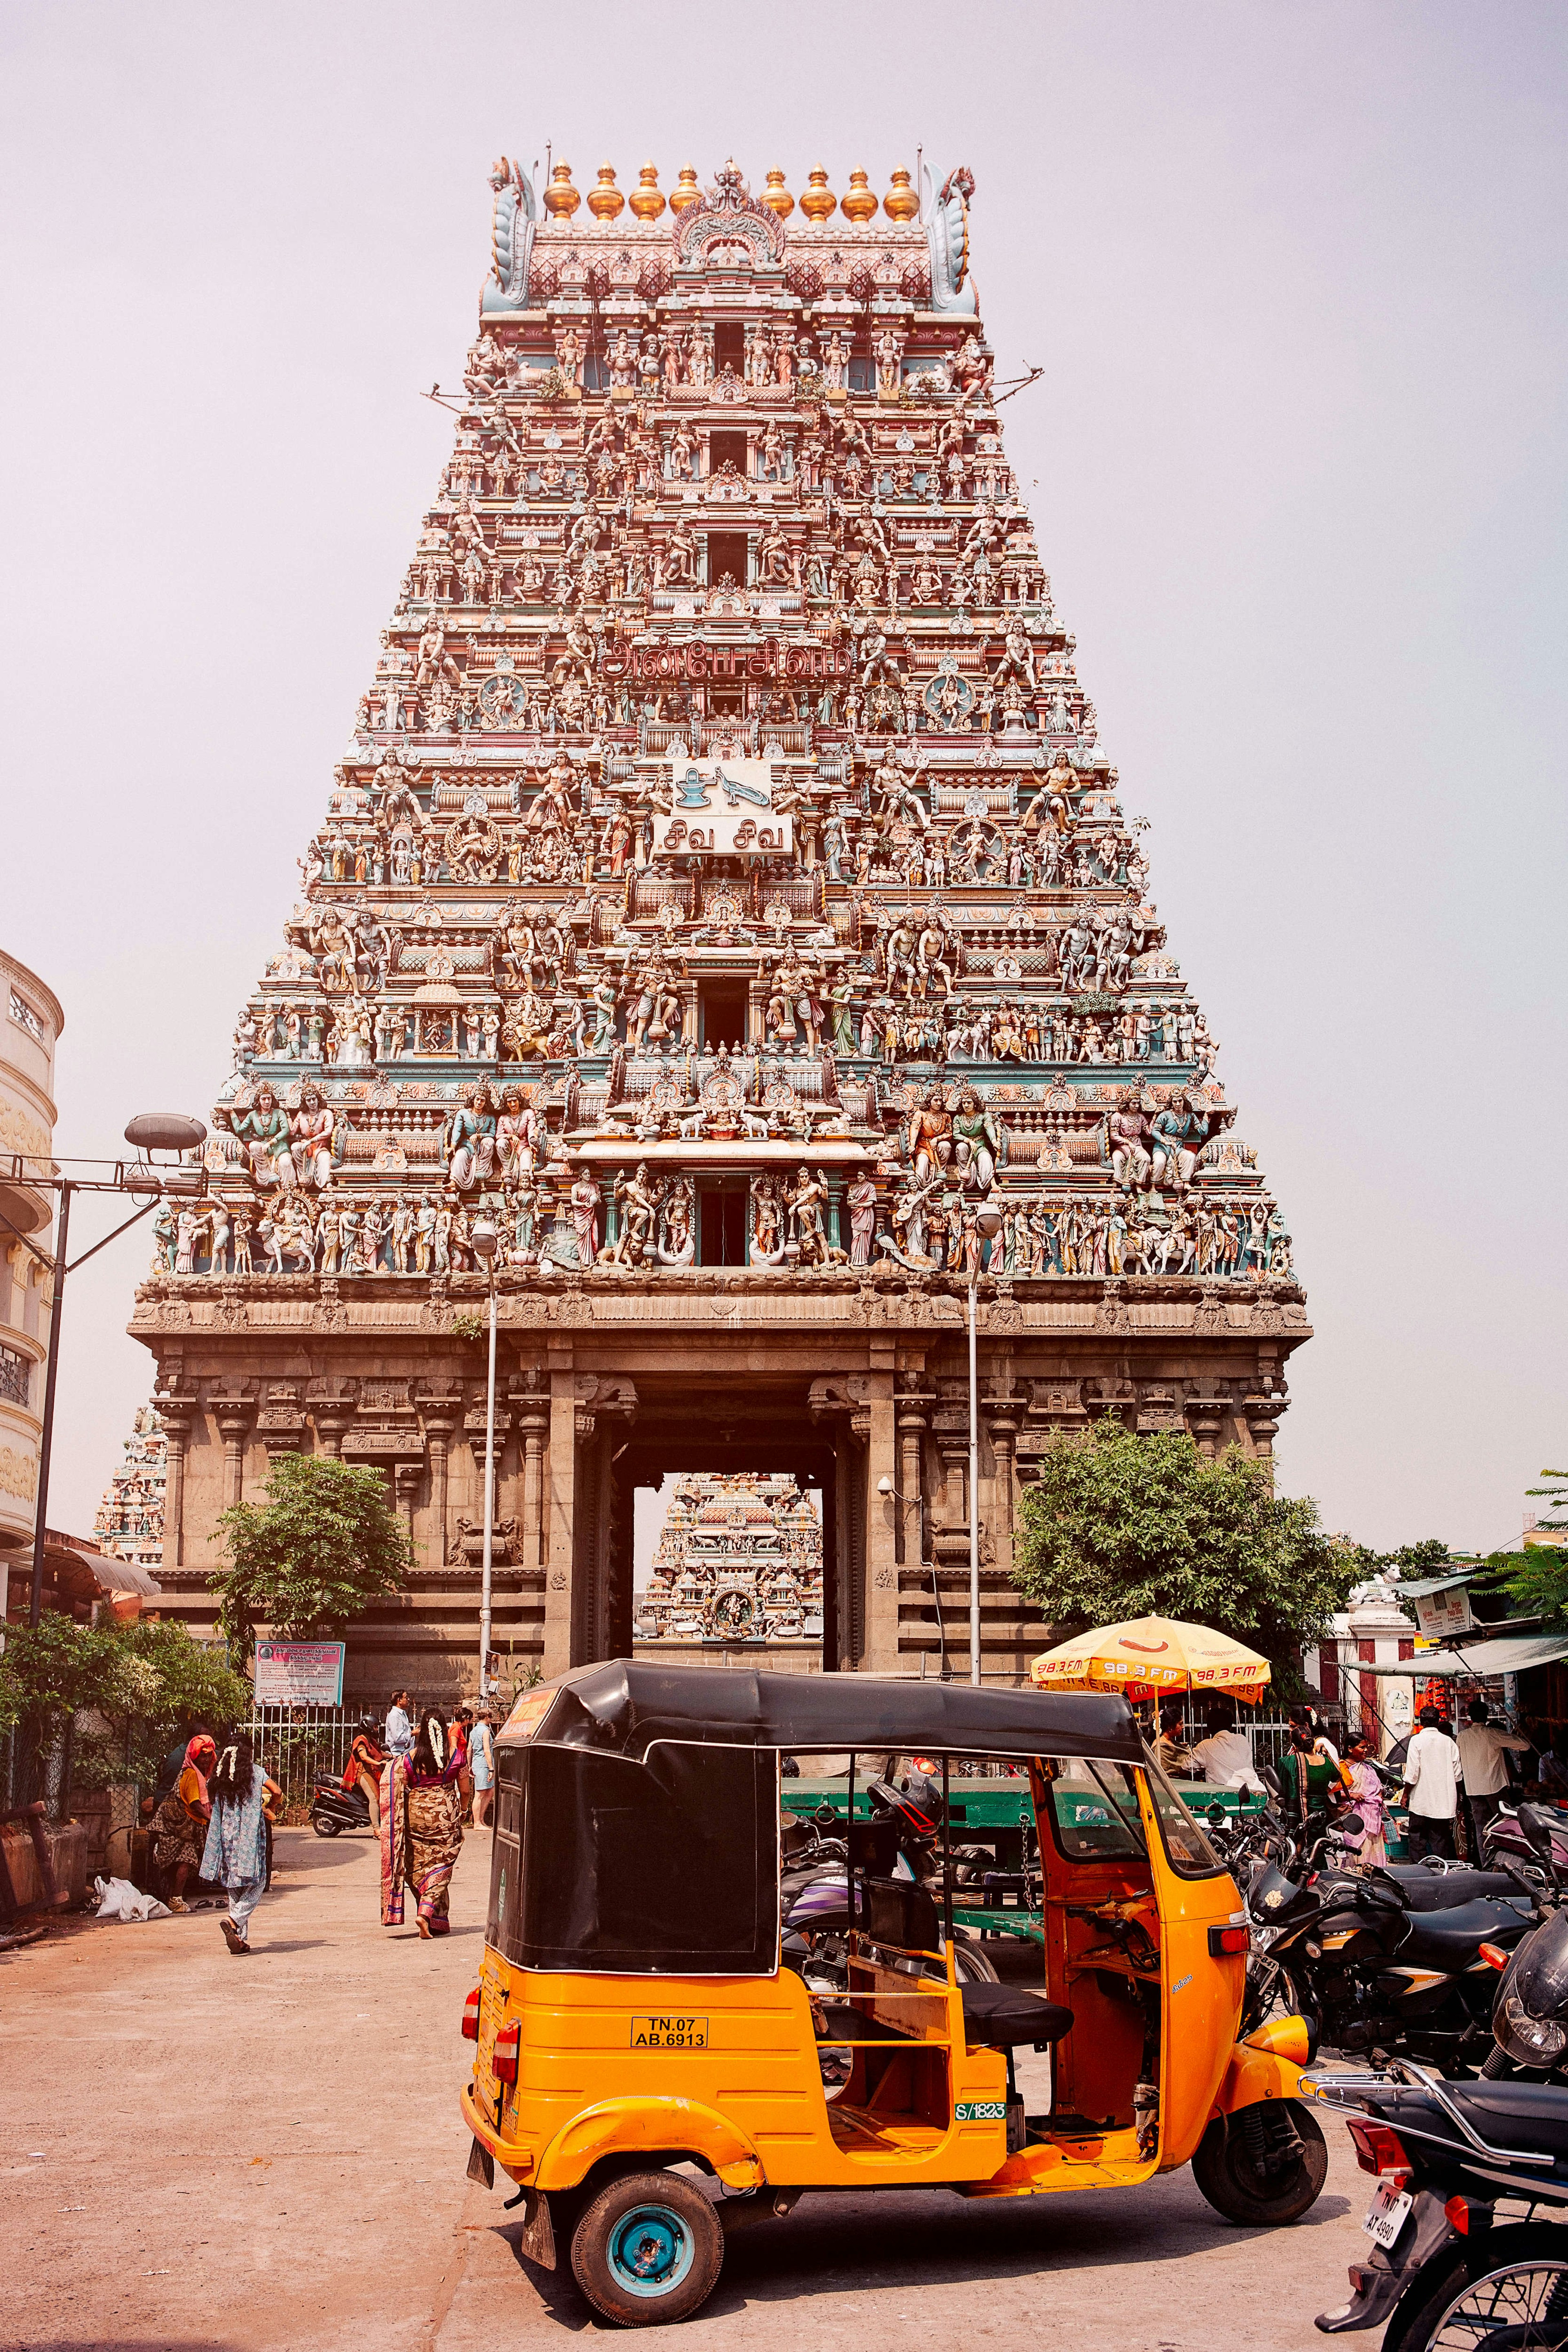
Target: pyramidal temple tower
724, 894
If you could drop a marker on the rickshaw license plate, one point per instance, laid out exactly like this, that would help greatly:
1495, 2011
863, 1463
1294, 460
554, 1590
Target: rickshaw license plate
1386, 2218
673, 2032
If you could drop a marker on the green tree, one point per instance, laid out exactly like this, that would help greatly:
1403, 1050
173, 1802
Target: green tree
1125, 1526
143, 1681
324, 1546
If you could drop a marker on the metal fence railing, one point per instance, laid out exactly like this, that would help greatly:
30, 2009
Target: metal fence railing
297, 1743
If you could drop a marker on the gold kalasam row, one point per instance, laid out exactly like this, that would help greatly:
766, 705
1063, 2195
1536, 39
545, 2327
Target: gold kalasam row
647, 199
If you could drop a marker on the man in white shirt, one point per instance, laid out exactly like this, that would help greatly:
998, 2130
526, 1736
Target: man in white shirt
1482, 1749
1432, 1777
400, 1730
1225, 1758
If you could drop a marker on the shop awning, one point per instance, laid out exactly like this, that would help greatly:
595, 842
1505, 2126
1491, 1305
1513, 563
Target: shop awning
1418, 1590
1479, 1659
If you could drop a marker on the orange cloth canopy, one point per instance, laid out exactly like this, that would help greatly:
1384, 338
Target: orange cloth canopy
1151, 1657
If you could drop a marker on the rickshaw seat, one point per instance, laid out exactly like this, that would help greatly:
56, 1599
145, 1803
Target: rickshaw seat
1001, 2017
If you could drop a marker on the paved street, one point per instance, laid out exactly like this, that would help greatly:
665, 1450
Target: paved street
266, 2156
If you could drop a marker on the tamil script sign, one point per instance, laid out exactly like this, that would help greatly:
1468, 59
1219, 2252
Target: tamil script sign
299, 1674
723, 808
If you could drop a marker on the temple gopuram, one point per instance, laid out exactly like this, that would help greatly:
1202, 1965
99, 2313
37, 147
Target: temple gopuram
724, 893
739, 1569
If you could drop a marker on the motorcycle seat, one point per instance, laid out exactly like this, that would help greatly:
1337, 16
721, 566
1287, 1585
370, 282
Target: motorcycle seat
1432, 1890
1001, 2017
1448, 1939
1529, 2115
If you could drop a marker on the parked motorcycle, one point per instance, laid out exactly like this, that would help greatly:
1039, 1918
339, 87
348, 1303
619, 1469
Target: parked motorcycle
1530, 2012
334, 1809
1346, 1951
1446, 2270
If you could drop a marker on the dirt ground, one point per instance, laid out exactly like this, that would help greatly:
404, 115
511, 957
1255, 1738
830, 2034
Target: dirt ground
266, 2156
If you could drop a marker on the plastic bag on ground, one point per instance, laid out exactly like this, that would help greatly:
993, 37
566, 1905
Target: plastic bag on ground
117, 1899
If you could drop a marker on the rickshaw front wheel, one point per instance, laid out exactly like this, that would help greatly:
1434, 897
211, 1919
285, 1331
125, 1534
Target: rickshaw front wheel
1264, 2165
647, 2250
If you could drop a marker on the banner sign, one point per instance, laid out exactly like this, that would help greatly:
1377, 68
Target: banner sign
1441, 1613
723, 808
299, 1674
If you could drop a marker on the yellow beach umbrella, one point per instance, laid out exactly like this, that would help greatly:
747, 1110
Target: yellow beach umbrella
1152, 1657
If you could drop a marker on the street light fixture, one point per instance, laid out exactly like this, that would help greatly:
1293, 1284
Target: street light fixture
145, 1179
486, 1242
987, 1225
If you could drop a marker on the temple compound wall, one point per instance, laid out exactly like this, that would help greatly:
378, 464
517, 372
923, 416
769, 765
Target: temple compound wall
725, 901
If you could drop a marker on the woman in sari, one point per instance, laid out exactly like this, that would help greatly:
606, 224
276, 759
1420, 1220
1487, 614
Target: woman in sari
1367, 1799
421, 1829
181, 1820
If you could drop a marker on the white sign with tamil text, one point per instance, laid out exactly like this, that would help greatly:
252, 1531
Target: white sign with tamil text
723, 808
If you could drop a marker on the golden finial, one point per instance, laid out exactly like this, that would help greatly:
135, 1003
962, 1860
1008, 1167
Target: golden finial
777, 196
687, 192
859, 204
818, 200
606, 200
647, 198
561, 198
901, 203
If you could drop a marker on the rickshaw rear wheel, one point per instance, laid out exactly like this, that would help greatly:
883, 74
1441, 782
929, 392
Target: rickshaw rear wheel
1263, 2166
648, 2249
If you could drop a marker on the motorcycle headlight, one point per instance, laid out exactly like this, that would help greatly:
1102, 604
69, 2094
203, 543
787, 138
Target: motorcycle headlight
1532, 2041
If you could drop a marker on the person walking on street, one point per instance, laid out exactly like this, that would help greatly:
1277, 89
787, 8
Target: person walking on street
482, 1764
422, 1830
1432, 1776
1483, 1747
400, 1730
235, 1855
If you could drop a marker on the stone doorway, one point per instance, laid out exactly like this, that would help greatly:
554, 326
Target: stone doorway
765, 1438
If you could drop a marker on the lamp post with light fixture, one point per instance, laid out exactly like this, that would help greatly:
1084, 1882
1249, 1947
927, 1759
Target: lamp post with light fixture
151, 1132
487, 1241
987, 1225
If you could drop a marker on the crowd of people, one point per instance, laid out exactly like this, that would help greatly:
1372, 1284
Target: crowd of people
425, 1779
1451, 1784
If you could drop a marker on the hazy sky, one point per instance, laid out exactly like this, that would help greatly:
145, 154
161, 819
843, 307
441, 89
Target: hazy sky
1296, 276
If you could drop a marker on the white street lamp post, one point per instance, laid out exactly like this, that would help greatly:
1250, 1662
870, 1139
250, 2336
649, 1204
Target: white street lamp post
487, 1241
987, 1225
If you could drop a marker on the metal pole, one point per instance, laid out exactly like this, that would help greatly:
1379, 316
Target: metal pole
489, 1503
974, 1495
51, 1376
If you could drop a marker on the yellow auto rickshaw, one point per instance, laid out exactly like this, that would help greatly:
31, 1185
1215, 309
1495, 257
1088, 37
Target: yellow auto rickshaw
650, 2063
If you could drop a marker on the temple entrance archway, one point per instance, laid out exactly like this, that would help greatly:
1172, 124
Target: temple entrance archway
756, 1432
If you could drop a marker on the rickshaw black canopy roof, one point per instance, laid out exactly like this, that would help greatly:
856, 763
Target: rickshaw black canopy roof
622, 1706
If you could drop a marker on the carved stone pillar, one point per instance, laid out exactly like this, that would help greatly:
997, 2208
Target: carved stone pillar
234, 1412
561, 1535
331, 1407
1003, 1417
533, 1429
406, 1478
439, 1415
1262, 1411
912, 1427
176, 1410
1208, 1406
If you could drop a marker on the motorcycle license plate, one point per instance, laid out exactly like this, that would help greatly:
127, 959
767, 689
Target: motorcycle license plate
1386, 2218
